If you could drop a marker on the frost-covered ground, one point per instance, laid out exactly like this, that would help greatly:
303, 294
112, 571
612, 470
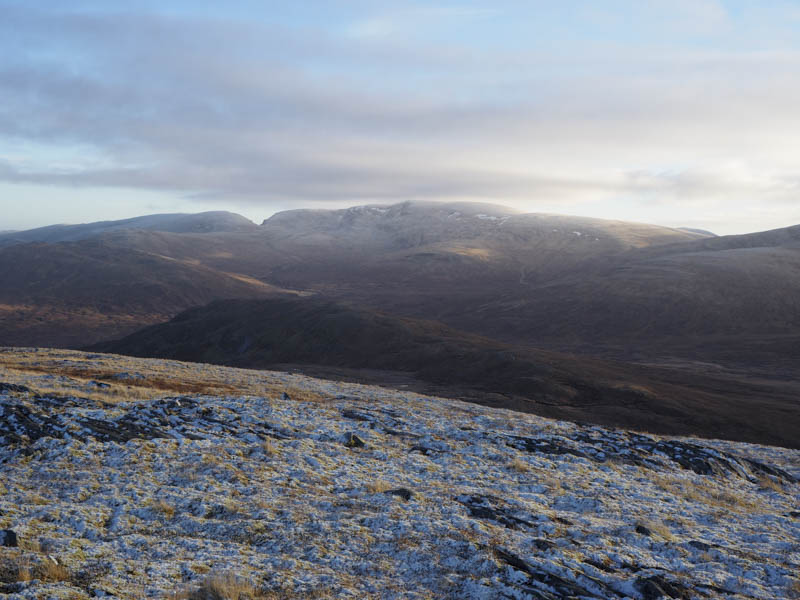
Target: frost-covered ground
116, 486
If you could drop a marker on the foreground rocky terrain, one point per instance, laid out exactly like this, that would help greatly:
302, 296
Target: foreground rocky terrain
137, 478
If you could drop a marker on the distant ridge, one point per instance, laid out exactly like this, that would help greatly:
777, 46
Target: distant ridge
207, 222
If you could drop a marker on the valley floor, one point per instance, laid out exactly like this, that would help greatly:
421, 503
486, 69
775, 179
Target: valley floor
134, 478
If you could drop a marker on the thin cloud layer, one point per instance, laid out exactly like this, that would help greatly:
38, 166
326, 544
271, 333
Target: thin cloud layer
607, 113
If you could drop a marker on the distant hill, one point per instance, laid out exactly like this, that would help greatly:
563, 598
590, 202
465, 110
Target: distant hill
567, 283
706, 324
78, 292
313, 333
742, 290
207, 222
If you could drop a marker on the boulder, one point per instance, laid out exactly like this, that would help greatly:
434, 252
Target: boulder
8, 538
351, 440
403, 493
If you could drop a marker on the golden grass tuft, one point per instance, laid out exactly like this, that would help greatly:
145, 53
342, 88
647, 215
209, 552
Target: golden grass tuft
224, 586
51, 571
270, 449
703, 492
765, 482
658, 528
378, 486
519, 465
164, 507
24, 569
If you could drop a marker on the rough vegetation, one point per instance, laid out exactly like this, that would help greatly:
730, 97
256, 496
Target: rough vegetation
135, 478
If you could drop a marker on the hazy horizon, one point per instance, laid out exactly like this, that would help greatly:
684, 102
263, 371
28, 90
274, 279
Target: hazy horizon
252, 216
679, 113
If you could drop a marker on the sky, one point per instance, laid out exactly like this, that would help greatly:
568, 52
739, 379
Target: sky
675, 112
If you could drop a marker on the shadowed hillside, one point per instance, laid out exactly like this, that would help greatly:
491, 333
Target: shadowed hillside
711, 323
349, 342
730, 298
437, 261
77, 293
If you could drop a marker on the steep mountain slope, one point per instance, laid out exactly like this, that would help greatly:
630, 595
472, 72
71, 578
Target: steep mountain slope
207, 222
349, 342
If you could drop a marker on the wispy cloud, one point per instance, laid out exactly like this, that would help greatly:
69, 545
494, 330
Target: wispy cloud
275, 112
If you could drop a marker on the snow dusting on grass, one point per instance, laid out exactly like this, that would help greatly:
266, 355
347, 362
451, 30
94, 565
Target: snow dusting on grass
271, 485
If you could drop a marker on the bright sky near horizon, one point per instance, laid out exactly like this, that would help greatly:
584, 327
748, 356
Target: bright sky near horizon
676, 112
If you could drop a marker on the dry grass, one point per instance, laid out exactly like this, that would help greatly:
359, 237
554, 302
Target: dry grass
702, 492
302, 395
24, 569
222, 587
519, 465
158, 378
50, 571
765, 482
164, 507
31, 545
553, 484
36, 499
378, 486
270, 449
227, 586
658, 528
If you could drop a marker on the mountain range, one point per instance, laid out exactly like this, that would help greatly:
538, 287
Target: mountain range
706, 328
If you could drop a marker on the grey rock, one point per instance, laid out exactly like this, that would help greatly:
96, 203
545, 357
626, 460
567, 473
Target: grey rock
13, 387
403, 493
351, 440
652, 591
657, 587
702, 546
8, 538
